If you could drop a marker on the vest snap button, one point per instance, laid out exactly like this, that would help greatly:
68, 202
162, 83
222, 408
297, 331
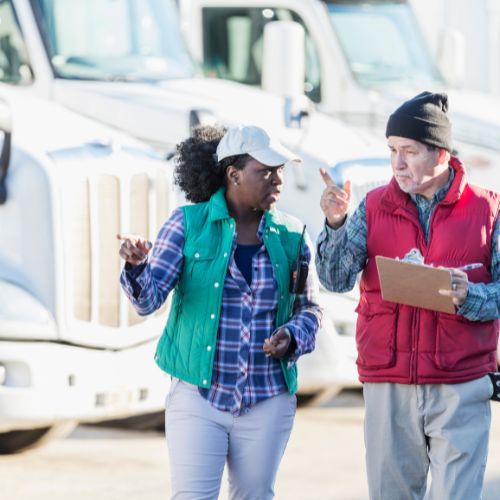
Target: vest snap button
204, 382
216, 284
212, 316
196, 255
209, 347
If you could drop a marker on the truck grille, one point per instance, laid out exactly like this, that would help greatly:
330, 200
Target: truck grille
98, 206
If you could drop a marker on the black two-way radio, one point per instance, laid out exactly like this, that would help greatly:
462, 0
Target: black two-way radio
300, 269
495, 380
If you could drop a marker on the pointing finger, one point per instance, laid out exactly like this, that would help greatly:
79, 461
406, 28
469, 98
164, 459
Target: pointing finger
347, 188
126, 237
135, 240
326, 178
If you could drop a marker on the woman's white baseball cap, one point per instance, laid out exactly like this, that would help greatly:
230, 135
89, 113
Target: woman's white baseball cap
255, 142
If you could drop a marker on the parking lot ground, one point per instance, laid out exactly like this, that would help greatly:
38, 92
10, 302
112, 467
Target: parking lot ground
324, 461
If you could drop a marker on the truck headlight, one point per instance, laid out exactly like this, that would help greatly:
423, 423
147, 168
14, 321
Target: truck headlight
15, 374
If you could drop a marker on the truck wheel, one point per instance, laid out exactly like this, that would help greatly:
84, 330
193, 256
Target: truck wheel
17, 441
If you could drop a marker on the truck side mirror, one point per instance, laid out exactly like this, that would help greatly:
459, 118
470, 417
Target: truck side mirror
451, 56
283, 67
283, 64
6, 128
201, 116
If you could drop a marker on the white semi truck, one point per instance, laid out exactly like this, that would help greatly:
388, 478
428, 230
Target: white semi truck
71, 348
362, 59
123, 63
474, 29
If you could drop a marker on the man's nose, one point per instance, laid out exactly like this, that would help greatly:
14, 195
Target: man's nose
399, 161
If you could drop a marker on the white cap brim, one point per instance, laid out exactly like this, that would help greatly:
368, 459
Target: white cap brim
274, 155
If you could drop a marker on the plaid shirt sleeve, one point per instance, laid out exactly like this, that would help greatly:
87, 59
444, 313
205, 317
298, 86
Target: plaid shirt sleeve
307, 314
483, 299
341, 253
148, 285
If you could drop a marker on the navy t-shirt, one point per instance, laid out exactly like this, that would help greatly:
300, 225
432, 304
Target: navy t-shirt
243, 257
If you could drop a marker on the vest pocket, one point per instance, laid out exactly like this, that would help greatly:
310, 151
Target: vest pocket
193, 256
463, 344
376, 335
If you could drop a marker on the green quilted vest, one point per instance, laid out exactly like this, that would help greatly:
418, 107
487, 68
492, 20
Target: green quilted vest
187, 347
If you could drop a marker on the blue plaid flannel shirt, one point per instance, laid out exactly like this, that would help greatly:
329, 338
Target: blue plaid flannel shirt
242, 374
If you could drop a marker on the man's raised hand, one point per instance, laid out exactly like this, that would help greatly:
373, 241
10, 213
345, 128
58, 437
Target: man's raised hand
334, 200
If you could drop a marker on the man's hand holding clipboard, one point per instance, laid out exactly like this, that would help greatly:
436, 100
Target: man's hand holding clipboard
436, 288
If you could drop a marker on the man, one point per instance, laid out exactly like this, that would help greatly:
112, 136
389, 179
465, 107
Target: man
425, 374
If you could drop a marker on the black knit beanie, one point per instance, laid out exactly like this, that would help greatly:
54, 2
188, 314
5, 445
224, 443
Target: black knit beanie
423, 119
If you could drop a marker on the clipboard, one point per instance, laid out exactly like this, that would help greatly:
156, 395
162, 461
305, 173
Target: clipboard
414, 284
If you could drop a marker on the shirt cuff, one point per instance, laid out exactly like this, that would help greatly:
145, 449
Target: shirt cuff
292, 347
293, 352
134, 271
476, 296
335, 235
133, 274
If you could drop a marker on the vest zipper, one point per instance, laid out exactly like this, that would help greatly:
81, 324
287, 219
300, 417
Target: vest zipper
414, 348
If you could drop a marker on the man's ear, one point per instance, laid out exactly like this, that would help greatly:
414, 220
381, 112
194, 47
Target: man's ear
443, 156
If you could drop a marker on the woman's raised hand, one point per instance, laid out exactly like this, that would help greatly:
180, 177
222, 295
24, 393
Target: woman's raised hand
134, 249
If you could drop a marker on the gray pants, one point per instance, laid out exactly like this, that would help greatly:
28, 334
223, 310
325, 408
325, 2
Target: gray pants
201, 438
410, 429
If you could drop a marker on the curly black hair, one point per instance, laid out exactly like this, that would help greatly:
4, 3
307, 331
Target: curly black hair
196, 171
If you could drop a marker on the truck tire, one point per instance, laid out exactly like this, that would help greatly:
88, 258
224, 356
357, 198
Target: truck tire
21, 440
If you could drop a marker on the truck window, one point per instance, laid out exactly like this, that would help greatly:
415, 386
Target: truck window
232, 45
382, 43
14, 66
113, 39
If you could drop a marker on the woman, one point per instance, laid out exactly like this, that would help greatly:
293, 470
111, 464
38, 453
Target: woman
235, 331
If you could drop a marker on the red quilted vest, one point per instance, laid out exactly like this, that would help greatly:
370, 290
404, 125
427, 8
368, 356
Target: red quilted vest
403, 344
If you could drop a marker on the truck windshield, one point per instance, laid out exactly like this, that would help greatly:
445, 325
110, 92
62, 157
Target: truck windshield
113, 39
382, 43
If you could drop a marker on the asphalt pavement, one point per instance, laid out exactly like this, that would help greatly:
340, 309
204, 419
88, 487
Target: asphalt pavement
324, 461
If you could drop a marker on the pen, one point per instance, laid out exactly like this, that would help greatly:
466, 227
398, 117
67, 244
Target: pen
468, 267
